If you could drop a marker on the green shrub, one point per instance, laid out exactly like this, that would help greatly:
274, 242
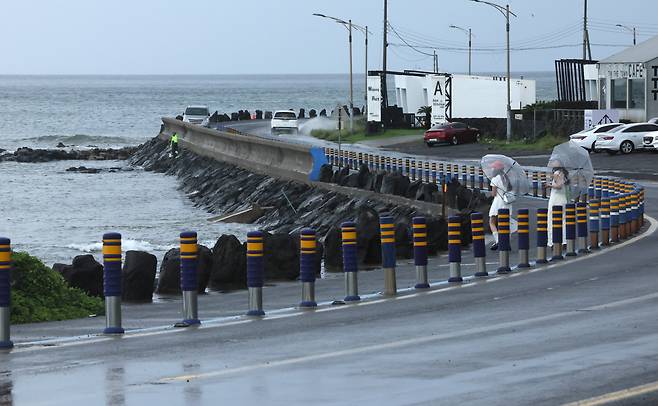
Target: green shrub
40, 294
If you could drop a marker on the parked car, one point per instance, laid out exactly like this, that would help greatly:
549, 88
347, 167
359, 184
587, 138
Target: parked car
624, 139
587, 137
284, 121
651, 141
653, 120
196, 115
451, 133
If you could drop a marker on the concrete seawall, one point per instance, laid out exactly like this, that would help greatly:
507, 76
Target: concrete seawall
267, 157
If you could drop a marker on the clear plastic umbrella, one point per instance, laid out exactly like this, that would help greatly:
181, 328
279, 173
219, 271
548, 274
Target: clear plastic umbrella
575, 159
513, 174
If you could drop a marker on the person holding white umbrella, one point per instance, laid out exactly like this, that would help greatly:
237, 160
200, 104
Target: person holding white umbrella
559, 196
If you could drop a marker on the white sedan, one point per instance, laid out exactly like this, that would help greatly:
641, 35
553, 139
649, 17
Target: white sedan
624, 139
651, 141
587, 137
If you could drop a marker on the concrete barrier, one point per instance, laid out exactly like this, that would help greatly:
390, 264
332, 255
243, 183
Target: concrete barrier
269, 157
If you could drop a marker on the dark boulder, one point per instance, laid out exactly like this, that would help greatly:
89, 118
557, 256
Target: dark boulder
394, 184
326, 173
323, 113
268, 115
85, 274
281, 257
351, 180
259, 114
367, 236
229, 264
204, 267
59, 145
138, 276
404, 247
437, 235
428, 192
312, 113
340, 174
333, 254
169, 278
302, 113
364, 175
234, 116
412, 189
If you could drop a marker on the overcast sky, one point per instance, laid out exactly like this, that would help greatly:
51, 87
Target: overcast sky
282, 36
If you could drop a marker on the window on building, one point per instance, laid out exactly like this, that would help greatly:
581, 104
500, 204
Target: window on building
636, 93
619, 93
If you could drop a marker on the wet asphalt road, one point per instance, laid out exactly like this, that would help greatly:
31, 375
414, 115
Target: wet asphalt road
575, 330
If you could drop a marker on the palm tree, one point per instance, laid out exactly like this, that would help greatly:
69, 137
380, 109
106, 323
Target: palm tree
427, 110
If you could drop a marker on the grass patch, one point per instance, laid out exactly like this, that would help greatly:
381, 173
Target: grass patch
40, 294
545, 143
360, 134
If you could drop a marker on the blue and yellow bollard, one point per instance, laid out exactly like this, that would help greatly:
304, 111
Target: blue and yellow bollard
112, 282
542, 235
594, 205
481, 178
413, 170
419, 225
427, 172
387, 233
535, 184
557, 233
471, 170
614, 218
5, 294
255, 272
504, 245
307, 260
635, 209
188, 277
464, 176
479, 250
581, 227
570, 228
605, 219
524, 238
598, 190
434, 173
388, 163
454, 249
350, 264
542, 177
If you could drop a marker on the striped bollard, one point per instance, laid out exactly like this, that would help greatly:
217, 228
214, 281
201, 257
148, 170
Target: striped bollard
427, 172
524, 238
535, 184
570, 229
377, 164
434, 178
622, 216
112, 282
407, 168
614, 218
454, 249
642, 207
635, 223
350, 264
399, 164
598, 190
471, 174
581, 228
594, 205
360, 159
504, 246
605, 220
448, 177
307, 261
255, 272
188, 277
557, 233
5, 294
388, 164
479, 250
419, 225
413, 170
465, 176
543, 184
387, 233
481, 178
542, 235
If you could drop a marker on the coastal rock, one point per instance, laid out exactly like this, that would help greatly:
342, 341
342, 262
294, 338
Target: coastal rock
268, 115
351, 180
403, 239
364, 175
333, 254
394, 184
428, 192
229, 264
367, 236
29, 155
281, 257
60, 145
437, 235
323, 113
204, 267
85, 274
340, 174
302, 113
259, 114
138, 276
412, 189
312, 113
326, 173
169, 278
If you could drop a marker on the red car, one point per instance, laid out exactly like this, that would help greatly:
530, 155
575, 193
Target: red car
451, 133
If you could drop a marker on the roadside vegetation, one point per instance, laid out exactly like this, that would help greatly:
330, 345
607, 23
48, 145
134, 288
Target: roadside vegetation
40, 294
545, 143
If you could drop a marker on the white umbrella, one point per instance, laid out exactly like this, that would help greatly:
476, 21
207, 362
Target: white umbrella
575, 159
514, 176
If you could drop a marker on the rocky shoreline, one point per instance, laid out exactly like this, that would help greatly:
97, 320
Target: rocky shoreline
30, 155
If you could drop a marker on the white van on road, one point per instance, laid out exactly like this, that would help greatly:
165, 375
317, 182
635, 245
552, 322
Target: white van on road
196, 115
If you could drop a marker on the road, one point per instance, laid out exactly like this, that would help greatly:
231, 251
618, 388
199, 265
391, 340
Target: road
579, 329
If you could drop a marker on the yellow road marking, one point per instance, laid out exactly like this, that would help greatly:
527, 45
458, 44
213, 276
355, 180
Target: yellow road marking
617, 396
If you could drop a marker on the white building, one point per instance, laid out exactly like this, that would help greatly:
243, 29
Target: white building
471, 96
628, 81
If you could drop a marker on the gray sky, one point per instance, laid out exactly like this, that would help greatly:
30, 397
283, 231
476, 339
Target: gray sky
281, 36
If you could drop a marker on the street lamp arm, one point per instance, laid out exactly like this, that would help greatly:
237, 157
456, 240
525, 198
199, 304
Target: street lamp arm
500, 8
343, 23
624, 26
459, 28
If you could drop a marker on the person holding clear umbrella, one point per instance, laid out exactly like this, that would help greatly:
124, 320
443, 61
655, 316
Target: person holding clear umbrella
508, 180
559, 190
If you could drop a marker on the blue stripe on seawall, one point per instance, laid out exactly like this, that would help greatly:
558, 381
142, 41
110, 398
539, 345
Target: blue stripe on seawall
319, 159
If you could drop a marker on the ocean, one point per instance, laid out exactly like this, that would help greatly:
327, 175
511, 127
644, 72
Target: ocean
56, 214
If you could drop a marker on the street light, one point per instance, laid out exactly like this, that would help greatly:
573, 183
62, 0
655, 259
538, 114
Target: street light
631, 29
349, 26
469, 44
505, 11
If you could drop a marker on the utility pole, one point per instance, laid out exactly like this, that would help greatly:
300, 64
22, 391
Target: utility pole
351, 85
587, 50
435, 64
384, 90
469, 51
509, 92
365, 96
634, 43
